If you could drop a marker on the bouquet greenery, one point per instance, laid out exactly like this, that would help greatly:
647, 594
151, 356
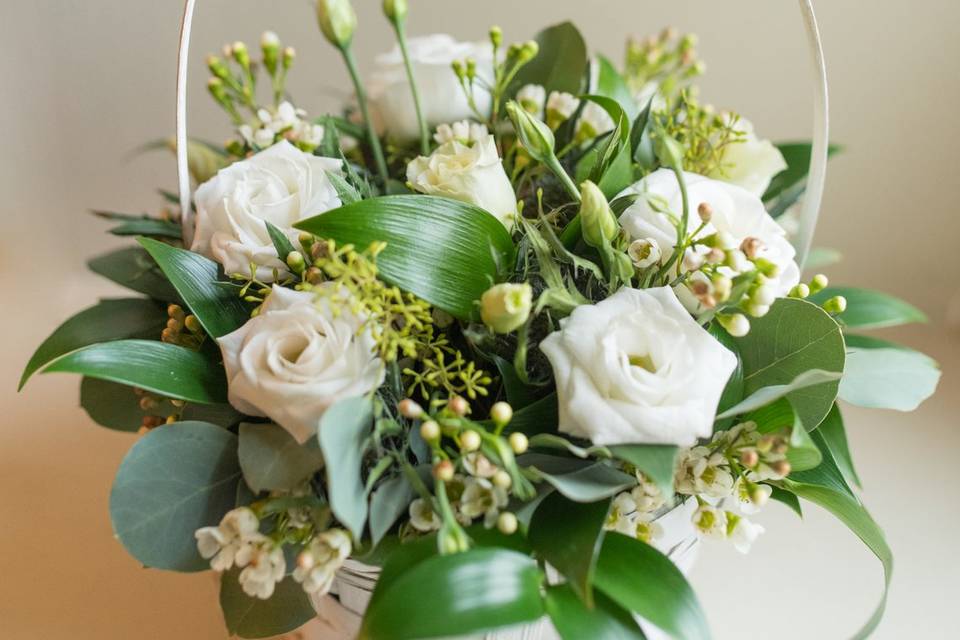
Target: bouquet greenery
508, 336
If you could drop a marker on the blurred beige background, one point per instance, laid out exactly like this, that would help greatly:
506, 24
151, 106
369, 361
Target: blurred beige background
84, 82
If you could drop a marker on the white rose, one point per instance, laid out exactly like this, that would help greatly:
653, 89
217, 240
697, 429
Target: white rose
636, 368
470, 173
736, 213
441, 96
296, 358
750, 163
282, 185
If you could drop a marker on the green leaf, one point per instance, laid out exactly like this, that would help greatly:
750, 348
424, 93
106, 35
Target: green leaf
612, 85
827, 473
345, 191
272, 459
574, 620
134, 269
108, 320
794, 337
539, 417
457, 594
767, 395
568, 535
785, 497
589, 484
834, 437
803, 453
116, 406
221, 414
280, 241
444, 251
787, 186
218, 308
287, 609
820, 257
884, 375
165, 369
519, 394
175, 480
641, 579
149, 227
868, 309
560, 64
344, 434
655, 460
733, 391
387, 503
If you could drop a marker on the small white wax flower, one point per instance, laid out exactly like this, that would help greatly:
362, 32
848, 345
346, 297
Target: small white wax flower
710, 522
265, 569
644, 252
750, 497
423, 517
463, 131
743, 533
225, 544
323, 557
478, 465
646, 495
481, 498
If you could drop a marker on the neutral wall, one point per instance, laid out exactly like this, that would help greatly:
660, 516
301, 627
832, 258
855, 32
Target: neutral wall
85, 82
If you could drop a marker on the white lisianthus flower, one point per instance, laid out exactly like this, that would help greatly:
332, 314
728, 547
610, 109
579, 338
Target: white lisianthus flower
751, 162
441, 97
742, 532
636, 368
469, 173
532, 97
560, 107
423, 517
736, 215
266, 568
296, 358
229, 542
594, 121
317, 565
464, 132
281, 185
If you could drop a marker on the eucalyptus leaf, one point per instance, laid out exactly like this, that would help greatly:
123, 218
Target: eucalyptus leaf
166, 369
444, 251
457, 594
218, 308
589, 484
221, 414
574, 620
792, 338
344, 435
884, 375
568, 535
868, 309
642, 580
560, 64
116, 406
286, 610
175, 480
133, 268
108, 320
766, 395
272, 459
655, 460
387, 503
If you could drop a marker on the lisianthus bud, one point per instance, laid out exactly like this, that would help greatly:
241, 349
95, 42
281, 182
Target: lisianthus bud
736, 324
668, 150
535, 136
395, 10
597, 222
337, 21
506, 307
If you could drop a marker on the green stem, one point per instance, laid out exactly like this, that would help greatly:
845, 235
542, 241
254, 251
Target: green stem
365, 112
424, 131
554, 165
682, 228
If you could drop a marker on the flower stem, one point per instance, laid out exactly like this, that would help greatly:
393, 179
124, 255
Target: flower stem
424, 132
365, 112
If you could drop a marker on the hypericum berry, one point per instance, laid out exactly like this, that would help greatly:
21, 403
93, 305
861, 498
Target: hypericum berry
443, 471
410, 409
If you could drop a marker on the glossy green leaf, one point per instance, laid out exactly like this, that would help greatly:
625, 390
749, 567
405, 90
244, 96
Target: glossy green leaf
794, 337
615, 143
148, 227
573, 620
106, 321
221, 414
539, 417
787, 186
344, 435
767, 395
116, 406
780, 416
272, 459
444, 251
868, 309
834, 437
457, 594
280, 241
175, 480
589, 484
133, 268
217, 307
641, 579
611, 83
568, 535
387, 503
786, 498
655, 460
286, 610
560, 64
884, 375
733, 390
826, 474
165, 369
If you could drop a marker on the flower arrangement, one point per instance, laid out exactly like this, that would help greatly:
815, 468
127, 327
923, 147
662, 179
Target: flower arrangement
509, 334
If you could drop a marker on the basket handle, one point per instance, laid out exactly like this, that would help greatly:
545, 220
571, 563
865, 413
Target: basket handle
818, 157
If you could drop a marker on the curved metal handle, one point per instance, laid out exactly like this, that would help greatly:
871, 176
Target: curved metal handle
816, 176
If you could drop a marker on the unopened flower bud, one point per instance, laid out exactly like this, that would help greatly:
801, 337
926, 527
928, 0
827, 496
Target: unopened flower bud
192, 324
217, 90
722, 286
395, 10
528, 51
430, 431
644, 252
836, 304
410, 409
767, 268
306, 561
470, 441
758, 496
756, 310
506, 307
458, 405
337, 21
715, 256
692, 260
496, 36
765, 294
443, 471
819, 283
241, 54
289, 54
800, 291
270, 46
217, 67
501, 413
597, 222
705, 211
518, 442
751, 247
749, 458
507, 523
781, 468
502, 479
535, 136
296, 262
736, 324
